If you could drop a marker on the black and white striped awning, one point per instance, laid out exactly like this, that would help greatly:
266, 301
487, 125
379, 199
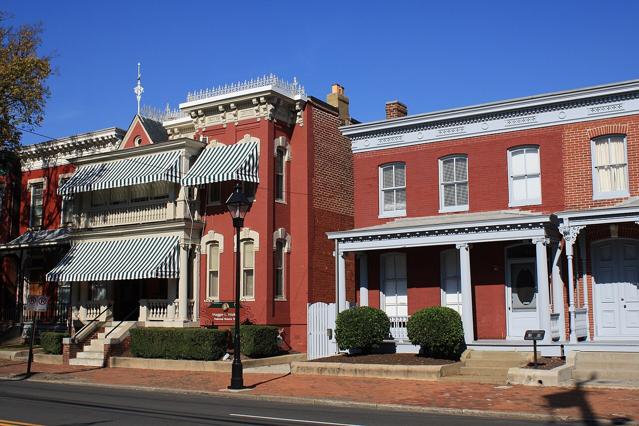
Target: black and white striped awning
223, 163
164, 166
134, 258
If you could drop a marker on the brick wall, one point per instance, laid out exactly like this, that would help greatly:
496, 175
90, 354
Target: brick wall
332, 203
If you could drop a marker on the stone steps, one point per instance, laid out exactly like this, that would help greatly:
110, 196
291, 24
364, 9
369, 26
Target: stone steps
606, 374
489, 367
93, 352
606, 366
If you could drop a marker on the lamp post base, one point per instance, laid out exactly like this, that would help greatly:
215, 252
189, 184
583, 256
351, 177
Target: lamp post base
237, 380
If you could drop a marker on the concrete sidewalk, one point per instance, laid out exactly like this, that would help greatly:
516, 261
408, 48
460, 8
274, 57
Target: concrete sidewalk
547, 403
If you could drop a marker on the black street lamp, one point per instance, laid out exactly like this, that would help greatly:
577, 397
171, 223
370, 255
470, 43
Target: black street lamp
237, 205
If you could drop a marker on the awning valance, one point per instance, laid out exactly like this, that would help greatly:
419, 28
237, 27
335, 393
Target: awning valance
223, 163
45, 237
134, 258
164, 166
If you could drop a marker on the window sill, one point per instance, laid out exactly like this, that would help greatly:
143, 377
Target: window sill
525, 203
247, 299
212, 299
280, 299
280, 201
454, 209
610, 195
397, 213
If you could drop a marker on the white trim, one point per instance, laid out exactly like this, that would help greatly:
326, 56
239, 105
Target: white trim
528, 201
244, 297
209, 245
284, 151
209, 238
599, 195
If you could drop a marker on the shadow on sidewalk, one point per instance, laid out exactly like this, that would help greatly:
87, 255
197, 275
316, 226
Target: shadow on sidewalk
577, 397
254, 385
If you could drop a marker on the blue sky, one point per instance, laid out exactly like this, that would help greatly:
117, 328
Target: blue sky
430, 55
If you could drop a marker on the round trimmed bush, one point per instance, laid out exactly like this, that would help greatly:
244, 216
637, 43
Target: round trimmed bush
438, 331
362, 328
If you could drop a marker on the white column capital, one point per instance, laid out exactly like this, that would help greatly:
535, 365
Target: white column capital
570, 232
460, 246
543, 240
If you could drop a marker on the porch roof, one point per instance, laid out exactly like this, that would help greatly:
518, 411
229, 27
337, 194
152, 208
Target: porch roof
625, 211
223, 163
164, 166
126, 259
457, 228
44, 237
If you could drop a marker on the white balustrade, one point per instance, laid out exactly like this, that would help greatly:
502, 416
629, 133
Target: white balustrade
120, 215
161, 310
398, 327
554, 326
90, 310
581, 322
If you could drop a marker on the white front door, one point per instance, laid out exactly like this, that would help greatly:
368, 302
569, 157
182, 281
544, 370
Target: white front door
394, 299
451, 280
521, 297
616, 281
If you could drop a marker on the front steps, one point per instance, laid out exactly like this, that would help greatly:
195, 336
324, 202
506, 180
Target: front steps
609, 368
489, 366
93, 354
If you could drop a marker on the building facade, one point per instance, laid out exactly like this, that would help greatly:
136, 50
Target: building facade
519, 214
143, 234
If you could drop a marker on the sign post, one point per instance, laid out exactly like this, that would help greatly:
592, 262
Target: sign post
534, 335
36, 304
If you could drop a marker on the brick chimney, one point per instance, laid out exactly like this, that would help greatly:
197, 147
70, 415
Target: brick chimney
395, 109
340, 101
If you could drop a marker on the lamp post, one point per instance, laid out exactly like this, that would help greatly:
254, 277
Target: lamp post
237, 205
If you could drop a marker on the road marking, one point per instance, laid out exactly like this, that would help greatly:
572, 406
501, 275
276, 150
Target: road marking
292, 420
15, 423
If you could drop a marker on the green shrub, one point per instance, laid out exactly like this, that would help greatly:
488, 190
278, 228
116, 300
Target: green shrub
51, 342
258, 341
179, 343
362, 328
438, 331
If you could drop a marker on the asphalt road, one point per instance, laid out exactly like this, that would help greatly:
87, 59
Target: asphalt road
24, 403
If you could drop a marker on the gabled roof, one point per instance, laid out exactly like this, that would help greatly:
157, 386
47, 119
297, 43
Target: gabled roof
156, 131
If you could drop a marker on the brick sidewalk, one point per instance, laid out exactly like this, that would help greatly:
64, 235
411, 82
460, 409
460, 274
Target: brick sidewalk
570, 403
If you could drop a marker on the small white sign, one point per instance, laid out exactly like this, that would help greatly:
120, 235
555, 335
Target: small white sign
37, 303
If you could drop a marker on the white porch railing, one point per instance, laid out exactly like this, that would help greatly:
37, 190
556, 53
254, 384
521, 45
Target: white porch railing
152, 310
90, 310
581, 322
398, 327
122, 215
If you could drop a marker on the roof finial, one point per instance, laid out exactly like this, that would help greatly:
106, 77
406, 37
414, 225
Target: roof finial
138, 89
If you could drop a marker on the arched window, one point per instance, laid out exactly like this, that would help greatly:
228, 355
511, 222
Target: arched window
213, 269
392, 190
453, 183
524, 176
248, 269
609, 167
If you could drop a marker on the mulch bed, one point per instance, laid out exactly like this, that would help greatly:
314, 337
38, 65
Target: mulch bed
386, 359
547, 363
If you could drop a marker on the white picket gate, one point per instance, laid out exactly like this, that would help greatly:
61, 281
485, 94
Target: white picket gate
321, 330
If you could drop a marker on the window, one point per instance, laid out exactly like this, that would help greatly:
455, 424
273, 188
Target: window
66, 209
392, 190
137, 141
524, 172
37, 193
249, 189
248, 265
453, 184
213, 259
278, 268
214, 194
609, 167
279, 174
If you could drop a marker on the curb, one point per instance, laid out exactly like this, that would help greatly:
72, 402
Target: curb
464, 412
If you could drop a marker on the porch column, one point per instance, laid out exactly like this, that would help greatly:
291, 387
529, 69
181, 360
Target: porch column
363, 279
558, 289
341, 282
543, 294
570, 234
183, 291
196, 283
467, 292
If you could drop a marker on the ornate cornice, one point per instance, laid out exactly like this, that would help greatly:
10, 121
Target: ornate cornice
474, 123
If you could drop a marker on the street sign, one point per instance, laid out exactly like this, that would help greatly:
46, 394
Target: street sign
37, 303
534, 334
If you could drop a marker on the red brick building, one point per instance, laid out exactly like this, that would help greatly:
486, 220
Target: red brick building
479, 209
